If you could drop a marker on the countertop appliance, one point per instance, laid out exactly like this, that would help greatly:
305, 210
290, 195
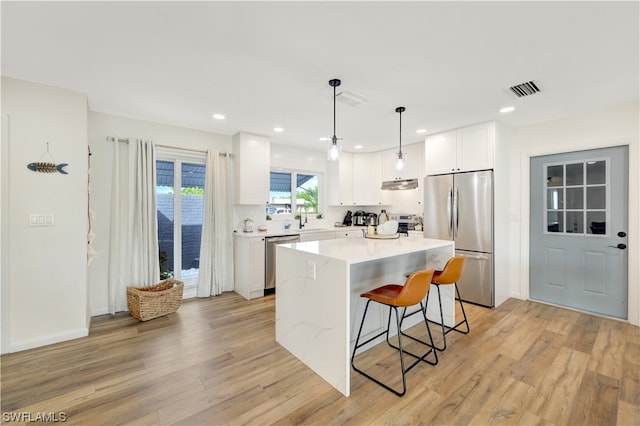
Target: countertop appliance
459, 207
406, 222
371, 219
360, 218
270, 258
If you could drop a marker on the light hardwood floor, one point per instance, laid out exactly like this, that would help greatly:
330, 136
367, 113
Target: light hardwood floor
216, 362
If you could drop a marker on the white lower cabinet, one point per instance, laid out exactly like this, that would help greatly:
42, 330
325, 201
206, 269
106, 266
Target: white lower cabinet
317, 235
248, 266
351, 233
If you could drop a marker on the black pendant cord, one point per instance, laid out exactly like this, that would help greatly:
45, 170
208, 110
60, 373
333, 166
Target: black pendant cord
334, 83
334, 115
400, 110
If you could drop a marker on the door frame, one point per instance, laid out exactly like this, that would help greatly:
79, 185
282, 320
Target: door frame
633, 270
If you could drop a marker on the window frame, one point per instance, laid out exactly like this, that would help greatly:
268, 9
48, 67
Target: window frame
564, 210
178, 157
294, 173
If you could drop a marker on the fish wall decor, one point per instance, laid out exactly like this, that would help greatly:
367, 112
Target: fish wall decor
42, 167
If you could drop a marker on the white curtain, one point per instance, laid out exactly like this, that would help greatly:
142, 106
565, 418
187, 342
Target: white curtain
133, 253
216, 247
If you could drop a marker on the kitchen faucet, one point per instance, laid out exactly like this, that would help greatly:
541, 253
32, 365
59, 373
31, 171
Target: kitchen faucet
306, 218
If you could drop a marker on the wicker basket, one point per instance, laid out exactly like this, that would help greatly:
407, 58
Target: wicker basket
155, 301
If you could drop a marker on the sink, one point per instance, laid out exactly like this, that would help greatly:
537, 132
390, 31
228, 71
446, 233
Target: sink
309, 229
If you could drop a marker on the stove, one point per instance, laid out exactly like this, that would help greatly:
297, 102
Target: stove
406, 222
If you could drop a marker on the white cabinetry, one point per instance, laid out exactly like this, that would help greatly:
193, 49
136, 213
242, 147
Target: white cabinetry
351, 233
355, 180
252, 162
248, 266
462, 150
414, 169
413, 158
339, 188
367, 180
317, 235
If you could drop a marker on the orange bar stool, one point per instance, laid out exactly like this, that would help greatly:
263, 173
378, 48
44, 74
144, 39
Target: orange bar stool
450, 275
397, 296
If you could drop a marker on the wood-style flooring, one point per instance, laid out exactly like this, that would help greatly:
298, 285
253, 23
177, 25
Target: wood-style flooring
216, 362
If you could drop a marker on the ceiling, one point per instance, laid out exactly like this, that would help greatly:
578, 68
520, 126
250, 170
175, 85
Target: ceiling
266, 64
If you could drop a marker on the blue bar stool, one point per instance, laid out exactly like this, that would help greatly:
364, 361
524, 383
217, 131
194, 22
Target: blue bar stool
397, 296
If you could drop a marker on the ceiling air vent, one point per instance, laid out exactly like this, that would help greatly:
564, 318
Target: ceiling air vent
350, 98
525, 89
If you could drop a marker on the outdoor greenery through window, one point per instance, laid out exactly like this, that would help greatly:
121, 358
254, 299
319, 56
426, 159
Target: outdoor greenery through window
180, 214
292, 194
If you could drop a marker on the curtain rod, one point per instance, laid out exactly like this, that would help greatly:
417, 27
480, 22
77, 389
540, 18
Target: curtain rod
112, 139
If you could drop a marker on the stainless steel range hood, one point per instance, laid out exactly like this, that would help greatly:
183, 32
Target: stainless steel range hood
396, 185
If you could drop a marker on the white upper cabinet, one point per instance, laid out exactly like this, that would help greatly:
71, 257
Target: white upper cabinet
367, 180
252, 154
339, 187
462, 150
413, 157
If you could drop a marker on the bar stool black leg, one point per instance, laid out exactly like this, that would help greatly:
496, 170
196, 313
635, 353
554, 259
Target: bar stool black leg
446, 329
400, 350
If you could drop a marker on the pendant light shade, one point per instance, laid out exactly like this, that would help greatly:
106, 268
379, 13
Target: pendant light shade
334, 149
400, 158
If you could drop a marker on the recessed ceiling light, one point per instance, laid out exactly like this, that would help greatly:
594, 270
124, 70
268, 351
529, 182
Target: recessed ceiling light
421, 131
278, 129
507, 109
324, 139
358, 147
218, 116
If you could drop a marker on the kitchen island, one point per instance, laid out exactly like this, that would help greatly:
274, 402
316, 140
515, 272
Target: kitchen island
318, 303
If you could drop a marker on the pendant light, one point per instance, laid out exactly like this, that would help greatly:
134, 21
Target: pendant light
334, 149
400, 159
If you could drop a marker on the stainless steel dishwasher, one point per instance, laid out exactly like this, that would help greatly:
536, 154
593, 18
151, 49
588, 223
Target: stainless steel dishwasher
270, 258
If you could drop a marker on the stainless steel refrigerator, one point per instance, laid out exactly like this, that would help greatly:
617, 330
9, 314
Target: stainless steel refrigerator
459, 207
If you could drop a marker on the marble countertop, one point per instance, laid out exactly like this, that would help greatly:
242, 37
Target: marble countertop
360, 250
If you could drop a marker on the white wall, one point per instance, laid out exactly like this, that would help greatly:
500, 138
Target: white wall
612, 127
44, 272
103, 125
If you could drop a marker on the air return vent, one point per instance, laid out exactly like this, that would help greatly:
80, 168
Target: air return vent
525, 89
350, 98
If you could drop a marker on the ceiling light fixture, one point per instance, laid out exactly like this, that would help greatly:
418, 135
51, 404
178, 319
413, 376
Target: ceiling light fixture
334, 149
400, 159
421, 131
507, 109
218, 116
278, 129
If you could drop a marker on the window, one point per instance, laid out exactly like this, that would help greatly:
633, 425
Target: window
292, 194
577, 197
180, 215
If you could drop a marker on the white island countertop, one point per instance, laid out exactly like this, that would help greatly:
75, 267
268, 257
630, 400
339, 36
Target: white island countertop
366, 249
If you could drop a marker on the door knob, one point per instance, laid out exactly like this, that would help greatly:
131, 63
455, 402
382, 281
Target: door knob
620, 246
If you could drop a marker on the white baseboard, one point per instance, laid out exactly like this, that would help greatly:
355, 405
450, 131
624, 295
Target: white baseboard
99, 311
48, 340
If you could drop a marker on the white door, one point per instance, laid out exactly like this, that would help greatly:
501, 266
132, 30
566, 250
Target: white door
578, 233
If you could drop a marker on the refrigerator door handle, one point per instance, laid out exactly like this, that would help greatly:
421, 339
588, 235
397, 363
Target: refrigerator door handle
449, 213
455, 212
